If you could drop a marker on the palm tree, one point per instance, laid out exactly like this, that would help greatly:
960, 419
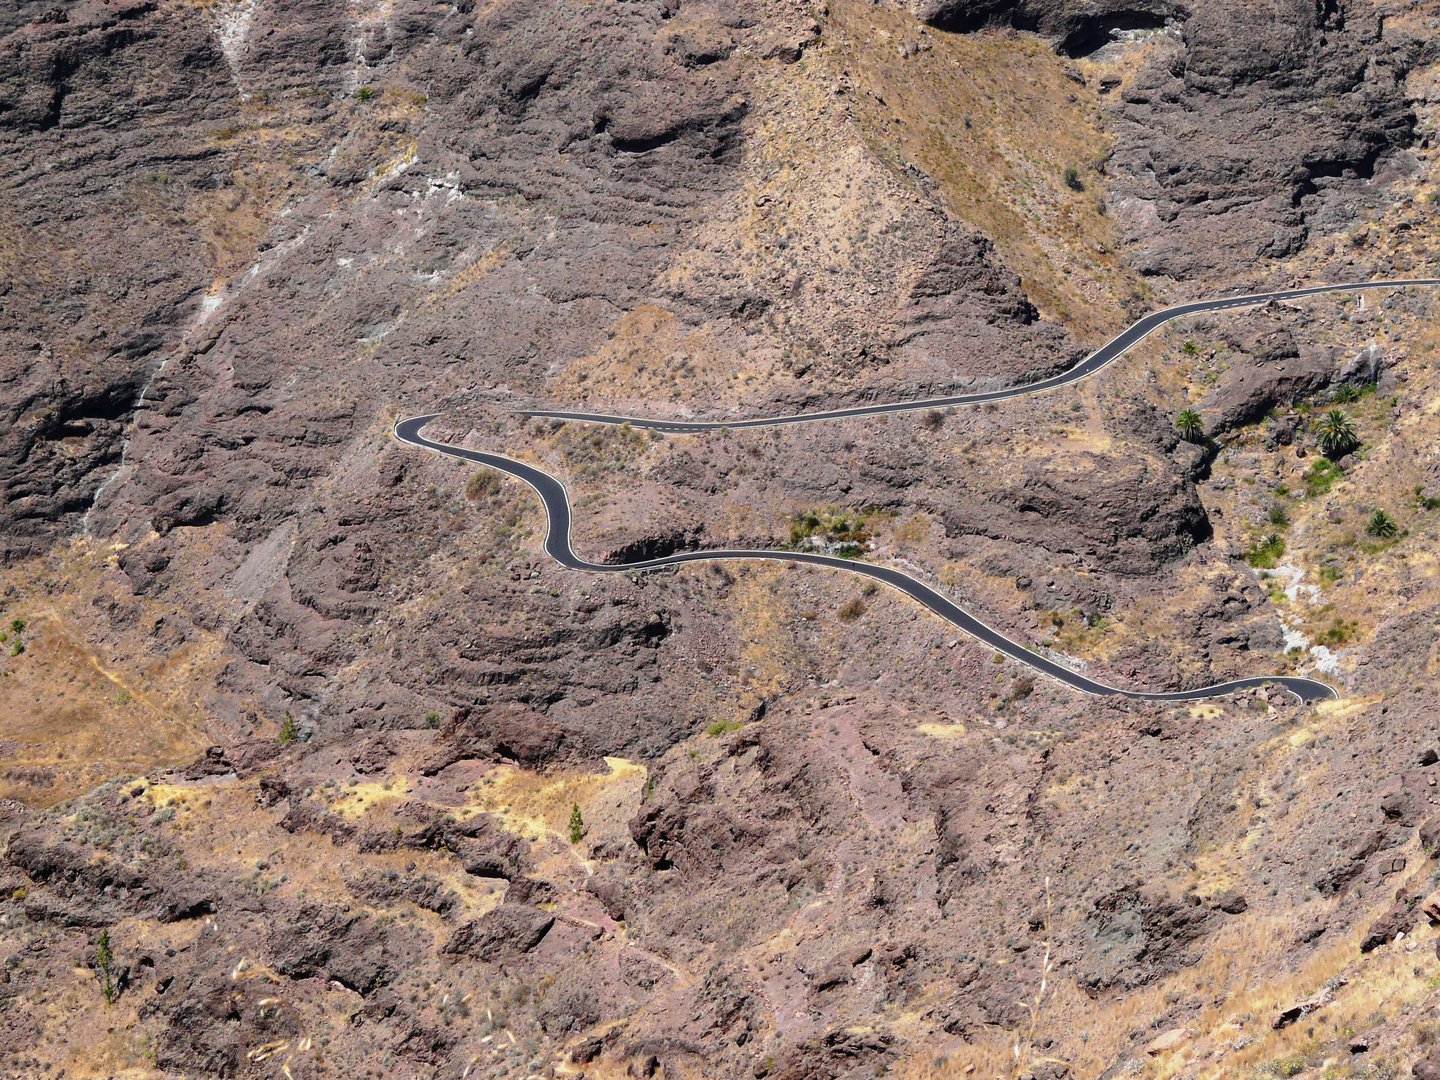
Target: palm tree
1381, 525
1336, 433
1190, 425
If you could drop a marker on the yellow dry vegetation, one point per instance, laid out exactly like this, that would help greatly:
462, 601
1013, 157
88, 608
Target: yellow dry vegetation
650, 353
913, 530
368, 795
232, 220
69, 721
538, 805
761, 607
941, 731
996, 121
1389, 979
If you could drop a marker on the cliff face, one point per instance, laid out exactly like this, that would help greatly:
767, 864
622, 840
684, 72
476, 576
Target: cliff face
1260, 127
299, 715
1240, 129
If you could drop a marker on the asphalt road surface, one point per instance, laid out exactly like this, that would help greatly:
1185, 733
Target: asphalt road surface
558, 516
1113, 349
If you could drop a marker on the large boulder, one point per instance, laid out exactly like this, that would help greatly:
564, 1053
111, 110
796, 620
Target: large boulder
1131, 515
1399, 919
508, 930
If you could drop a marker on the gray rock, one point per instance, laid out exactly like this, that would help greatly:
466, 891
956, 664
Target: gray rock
510, 929
1130, 516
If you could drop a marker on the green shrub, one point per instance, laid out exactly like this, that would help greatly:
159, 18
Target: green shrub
483, 483
847, 530
432, 719
1265, 554
364, 94
1190, 425
1320, 477
577, 824
105, 973
1278, 516
17, 625
723, 727
1072, 179
1381, 526
1348, 393
1336, 434
289, 731
1339, 632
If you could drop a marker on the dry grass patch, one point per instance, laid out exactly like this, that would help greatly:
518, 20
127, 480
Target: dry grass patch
941, 731
537, 805
996, 120
355, 802
651, 355
68, 721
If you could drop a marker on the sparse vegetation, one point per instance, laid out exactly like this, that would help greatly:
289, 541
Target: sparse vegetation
1072, 179
577, 824
432, 719
1190, 348
123, 696
593, 451
1336, 434
851, 610
364, 94
483, 483
1278, 517
933, 420
17, 625
723, 727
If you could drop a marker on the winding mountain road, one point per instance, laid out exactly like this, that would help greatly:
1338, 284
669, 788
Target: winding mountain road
1102, 357
559, 519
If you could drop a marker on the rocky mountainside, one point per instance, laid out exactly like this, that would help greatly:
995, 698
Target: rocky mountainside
312, 764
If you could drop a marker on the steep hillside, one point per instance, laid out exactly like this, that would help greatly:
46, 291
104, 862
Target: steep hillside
351, 779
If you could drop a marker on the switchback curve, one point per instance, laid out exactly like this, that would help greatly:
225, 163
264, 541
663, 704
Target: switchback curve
559, 519
1102, 357
557, 545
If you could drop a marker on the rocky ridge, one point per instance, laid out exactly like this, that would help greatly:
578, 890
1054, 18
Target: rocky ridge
298, 718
